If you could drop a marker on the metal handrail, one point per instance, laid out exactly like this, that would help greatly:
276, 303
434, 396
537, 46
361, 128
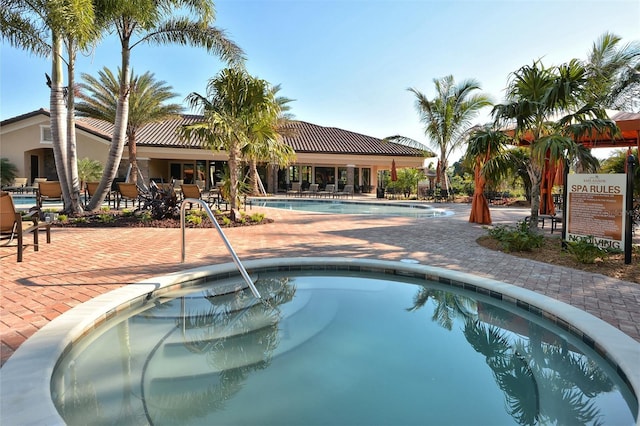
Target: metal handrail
236, 260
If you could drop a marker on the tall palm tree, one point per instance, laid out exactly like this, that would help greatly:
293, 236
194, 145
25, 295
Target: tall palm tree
448, 116
147, 104
537, 110
155, 22
267, 144
236, 104
47, 28
613, 73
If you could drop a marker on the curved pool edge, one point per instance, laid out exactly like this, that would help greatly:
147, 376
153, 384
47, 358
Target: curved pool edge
26, 376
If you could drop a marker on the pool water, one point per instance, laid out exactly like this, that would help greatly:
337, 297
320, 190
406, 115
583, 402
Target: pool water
335, 348
353, 207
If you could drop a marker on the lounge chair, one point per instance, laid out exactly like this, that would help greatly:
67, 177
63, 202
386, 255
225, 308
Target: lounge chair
34, 185
191, 190
329, 190
17, 185
346, 192
296, 188
312, 191
12, 228
49, 190
126, 192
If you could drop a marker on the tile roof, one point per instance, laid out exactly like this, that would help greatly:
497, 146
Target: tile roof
306, 137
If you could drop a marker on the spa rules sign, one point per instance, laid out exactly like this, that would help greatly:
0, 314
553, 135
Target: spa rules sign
596, 208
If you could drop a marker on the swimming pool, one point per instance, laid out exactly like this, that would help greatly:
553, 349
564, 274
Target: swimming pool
343, 333
378, 208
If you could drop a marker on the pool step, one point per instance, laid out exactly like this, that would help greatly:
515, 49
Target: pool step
235, 354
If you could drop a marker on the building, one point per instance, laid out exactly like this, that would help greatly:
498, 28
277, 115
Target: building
323, 154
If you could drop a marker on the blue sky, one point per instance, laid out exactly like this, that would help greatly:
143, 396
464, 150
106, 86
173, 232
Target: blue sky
348, 63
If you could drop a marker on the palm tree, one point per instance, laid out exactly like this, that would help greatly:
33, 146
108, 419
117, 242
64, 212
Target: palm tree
267, 144
613, 73
155, 22
236, 105
536, 109
8, 172
147, 104
447, 117
47, 28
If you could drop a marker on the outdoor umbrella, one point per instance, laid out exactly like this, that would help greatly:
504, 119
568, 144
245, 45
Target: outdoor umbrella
479, 206
394, 172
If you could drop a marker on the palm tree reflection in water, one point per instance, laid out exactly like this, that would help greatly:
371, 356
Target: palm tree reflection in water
543, 379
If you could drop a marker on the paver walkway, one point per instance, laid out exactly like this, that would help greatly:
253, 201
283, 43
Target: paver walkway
82, 263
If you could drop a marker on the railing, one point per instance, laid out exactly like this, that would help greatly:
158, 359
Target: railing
236, 260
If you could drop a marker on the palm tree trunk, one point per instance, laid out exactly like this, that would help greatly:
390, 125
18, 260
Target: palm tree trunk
234, 155
133, 160
75, 206
58, 133
253, 176
119, 132
535, 174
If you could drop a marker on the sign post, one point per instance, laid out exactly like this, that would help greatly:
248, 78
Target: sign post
629, 222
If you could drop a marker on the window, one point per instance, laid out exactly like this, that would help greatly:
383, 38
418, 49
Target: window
45, 135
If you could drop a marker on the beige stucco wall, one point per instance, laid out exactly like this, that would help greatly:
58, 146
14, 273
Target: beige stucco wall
21, 140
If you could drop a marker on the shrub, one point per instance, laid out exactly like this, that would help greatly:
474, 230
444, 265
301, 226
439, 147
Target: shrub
63, 218
520, 238
257, 217
106, 218
194, 218
145, 216
226, 221
585, 251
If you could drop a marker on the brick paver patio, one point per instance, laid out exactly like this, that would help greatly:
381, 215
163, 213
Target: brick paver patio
82, 263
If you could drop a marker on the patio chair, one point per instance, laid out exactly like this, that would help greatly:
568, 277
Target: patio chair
296, 188
12, 228
328, 190
346, 192
34, 185
191, 190
128, 192
17, 185
90, 190
312, 191
48, 190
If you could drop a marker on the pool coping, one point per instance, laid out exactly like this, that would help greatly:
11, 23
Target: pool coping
26, 376
376, 202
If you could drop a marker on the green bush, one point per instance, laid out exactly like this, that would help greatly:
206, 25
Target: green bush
520, 238
106, 218
145, 216
63, 218
585, 251
194, 218
257, 217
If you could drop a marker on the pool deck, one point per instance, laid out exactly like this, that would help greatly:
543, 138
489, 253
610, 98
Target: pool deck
83, 263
